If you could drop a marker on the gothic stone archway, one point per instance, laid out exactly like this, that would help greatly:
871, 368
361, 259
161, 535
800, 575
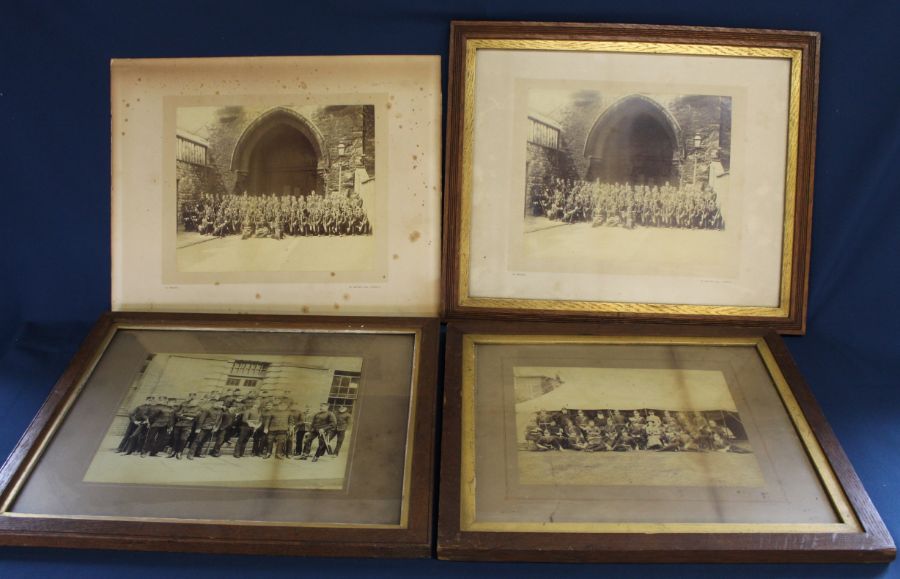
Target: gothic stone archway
636, 140
280, 152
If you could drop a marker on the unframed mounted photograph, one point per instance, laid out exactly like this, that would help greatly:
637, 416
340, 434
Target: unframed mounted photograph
298, 185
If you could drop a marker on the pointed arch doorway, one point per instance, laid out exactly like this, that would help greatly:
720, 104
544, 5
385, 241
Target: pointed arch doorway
636, 140
281, 152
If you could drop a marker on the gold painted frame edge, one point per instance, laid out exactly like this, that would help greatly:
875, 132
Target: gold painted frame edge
824, 471
46, 436
782, 311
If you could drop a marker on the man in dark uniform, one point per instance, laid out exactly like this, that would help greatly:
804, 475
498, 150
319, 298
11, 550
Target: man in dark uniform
261, 434
159, 426
322, 422
183, 422
137, 427
227, 418
342, 423
277, 429
208, 421
302, 428
250, 421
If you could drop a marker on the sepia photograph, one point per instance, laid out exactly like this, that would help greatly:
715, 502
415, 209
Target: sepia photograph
631, 161
226, 420
275, 188
615, 178
622, 426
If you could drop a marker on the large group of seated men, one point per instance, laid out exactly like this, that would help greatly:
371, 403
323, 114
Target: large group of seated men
619, 431
627, 205
200, 426
275, 217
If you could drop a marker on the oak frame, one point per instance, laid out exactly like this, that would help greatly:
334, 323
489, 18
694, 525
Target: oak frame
789, 317
872, 543
410, 539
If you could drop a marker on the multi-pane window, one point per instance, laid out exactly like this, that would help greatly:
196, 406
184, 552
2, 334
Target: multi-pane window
233, 382
249, 369
250, 382
542, 134
344, 387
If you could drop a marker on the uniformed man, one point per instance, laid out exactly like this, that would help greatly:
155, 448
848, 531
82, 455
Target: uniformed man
208, 422
342, 423
261, 434
581, 421
227, 418
303, 428
158, 427
277, 430
137, 428
183, 421
322, 422
250, 422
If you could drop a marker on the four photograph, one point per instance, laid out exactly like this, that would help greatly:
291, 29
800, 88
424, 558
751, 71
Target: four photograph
593, 172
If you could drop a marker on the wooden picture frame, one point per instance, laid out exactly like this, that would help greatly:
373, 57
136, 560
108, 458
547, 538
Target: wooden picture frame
493, 513
409, 500
579, 95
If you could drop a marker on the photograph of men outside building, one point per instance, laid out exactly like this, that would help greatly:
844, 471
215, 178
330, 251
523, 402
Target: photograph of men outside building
281, 188
626, 179
226, 420
630, 426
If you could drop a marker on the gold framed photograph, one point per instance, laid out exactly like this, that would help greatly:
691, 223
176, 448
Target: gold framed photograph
295, 185
593, 443
629, 172
238, 434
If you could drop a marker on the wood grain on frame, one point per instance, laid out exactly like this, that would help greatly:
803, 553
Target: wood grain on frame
415, 540
796, 288
873, 544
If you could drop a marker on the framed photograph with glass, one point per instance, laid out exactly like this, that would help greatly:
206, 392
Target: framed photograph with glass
597, 443
629, 172
234, 434
291, 185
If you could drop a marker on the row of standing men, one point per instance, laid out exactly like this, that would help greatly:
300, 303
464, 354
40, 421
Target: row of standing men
195, 427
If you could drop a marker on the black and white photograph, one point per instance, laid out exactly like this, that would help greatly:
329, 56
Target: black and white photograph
225, 420
602, 163
621, 426
275, 188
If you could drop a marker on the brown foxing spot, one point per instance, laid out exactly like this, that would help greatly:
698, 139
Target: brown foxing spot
337, 306
215, 283
388, 105
396, 256
258, 296
305, 309
346, 297
333, 274
414, 236
415, 157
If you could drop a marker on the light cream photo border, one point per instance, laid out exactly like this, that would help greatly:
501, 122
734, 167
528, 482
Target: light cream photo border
405, 277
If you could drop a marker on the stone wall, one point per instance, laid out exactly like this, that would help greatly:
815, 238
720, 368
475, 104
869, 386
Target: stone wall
708, 116
191, 180
350, 125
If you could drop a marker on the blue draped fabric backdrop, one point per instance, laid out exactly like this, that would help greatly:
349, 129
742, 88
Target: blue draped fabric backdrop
54, 223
